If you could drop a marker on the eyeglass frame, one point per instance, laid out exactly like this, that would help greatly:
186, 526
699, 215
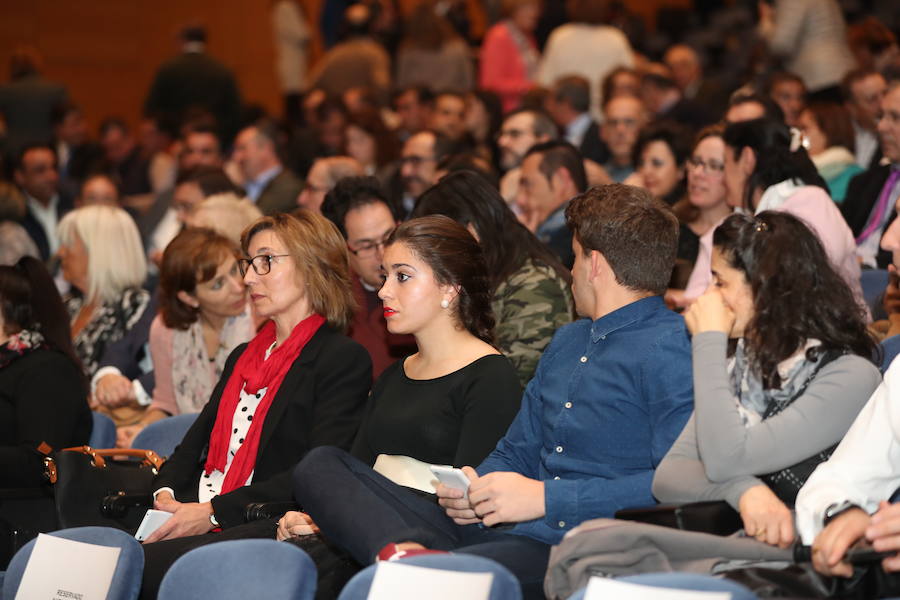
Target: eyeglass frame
371, 245
244, 264
707, 167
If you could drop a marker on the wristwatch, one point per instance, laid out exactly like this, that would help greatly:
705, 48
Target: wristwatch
837, 509
213, 521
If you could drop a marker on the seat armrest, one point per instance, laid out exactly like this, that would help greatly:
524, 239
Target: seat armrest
716, 517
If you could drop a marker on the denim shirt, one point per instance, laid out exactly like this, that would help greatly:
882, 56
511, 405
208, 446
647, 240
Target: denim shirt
607, 401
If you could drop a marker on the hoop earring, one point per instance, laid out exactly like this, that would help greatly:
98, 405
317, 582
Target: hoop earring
445, 303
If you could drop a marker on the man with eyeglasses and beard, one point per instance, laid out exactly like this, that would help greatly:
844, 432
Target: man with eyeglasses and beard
360, 210
417, 167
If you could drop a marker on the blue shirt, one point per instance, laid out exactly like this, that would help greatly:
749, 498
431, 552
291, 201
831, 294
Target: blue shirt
607, 401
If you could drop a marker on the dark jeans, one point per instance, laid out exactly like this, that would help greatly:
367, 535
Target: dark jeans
361, 511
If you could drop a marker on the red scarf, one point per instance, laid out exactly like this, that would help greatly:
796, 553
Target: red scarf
251, 373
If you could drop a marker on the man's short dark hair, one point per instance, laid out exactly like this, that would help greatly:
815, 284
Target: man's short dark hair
211, 181
659, 81
110, 123
451, 94
636, 233
470, 161
851, 78
444, 146
194, 33
782, 77
62, 110
267, 129
20, 157
575, 91
557, 154
424, 95
351, 193
542, 124
771, 108
203, 128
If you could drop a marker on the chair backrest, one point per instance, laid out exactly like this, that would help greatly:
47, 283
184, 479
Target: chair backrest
103, 435
873, 282
126, 581
694, 582
240, 569
164, 435
505, 586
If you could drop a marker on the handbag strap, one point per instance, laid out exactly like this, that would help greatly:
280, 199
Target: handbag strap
98, 457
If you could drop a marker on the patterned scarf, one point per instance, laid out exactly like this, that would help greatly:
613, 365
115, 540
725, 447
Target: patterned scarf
756, 405
20, 344
752, 400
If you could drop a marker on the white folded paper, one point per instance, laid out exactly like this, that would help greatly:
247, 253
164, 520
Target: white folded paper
601, 588
396, 581
61, 569
406, 471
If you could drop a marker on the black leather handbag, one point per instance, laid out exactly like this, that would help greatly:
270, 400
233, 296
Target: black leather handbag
83, 477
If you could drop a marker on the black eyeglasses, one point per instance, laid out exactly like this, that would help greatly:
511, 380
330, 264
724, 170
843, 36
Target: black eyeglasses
710, 167
262, 264
415, 161
367, 249
512, 133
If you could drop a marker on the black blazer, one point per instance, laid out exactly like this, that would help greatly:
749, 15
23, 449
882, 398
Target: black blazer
862, 196
592, 147
43, 398
280, 194
36, 230
320, 403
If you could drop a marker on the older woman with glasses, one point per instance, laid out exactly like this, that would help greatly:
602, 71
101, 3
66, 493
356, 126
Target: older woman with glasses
101, 257
298, 384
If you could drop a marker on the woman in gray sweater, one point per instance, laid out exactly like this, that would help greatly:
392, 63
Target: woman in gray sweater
782, 364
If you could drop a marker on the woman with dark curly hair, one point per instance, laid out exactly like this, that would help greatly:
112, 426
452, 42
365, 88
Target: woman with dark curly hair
783, 363
447, 404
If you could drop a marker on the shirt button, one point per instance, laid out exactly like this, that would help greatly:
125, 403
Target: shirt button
559, 449
602, 337
568, 405
562, 524
583, 359
556, 478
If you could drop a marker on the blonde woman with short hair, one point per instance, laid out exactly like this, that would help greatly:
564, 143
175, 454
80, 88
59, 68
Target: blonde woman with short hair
103, 260
226, 214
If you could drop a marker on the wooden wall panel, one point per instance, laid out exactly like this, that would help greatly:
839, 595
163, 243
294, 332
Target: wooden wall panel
106, 51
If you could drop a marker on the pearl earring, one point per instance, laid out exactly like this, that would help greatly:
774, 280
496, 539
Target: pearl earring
445, 303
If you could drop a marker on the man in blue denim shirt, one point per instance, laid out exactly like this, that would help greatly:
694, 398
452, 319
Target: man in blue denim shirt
611, 394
